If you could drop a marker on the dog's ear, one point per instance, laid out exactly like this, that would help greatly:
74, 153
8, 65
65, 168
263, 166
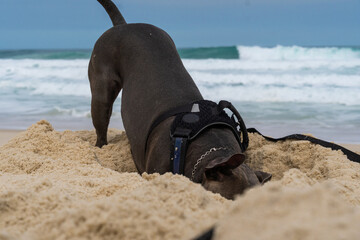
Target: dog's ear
219, 167
263, 176
230, 162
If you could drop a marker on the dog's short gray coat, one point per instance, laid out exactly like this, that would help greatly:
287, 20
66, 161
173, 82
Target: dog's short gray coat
142, 61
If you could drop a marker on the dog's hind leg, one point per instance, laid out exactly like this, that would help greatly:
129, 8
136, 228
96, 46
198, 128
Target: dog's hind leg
105, 87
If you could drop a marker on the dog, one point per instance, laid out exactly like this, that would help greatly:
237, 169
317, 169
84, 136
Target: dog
142, 61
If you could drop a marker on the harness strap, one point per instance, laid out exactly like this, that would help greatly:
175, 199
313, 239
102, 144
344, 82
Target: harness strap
170, 113
245, 138
180, 142
166, 115
180, 145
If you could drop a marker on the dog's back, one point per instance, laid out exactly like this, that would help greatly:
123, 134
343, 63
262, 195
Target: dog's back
142, 60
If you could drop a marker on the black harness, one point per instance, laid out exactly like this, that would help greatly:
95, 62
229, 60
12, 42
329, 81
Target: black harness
194, 118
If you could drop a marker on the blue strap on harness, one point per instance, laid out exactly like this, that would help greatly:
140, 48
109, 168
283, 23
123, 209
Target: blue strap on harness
177, 155
180, 139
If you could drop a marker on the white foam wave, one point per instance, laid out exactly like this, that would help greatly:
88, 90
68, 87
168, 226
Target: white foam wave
269, 65
59, 111
280, 86
46, 77
274, 94
284, 53
327, 81
322, 81
269, 85
74, 112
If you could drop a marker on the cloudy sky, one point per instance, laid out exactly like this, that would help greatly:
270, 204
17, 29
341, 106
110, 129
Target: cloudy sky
35, 24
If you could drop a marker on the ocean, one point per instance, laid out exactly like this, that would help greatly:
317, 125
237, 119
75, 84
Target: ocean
278, 90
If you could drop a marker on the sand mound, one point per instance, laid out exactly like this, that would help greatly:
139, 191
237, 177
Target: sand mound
58, 185
278, 212
313, 162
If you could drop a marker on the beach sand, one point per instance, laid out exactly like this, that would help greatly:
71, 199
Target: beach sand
57, 185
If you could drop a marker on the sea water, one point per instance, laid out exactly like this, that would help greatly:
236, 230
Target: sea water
278, 90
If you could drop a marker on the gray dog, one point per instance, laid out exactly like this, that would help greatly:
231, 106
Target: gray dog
142, 60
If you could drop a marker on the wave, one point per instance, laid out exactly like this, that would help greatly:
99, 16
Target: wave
45, 77
284, 81
317, 87
73, 112
209, 53
45, 54
311, 88
277, 53
246, 53
297, 53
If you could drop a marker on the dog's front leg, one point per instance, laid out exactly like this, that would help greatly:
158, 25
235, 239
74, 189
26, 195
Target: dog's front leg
101, 113
104, 91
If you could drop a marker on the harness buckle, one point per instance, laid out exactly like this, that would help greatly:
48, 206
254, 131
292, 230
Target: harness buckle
180, 132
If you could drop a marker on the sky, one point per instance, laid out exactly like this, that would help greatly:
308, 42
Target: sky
76, 24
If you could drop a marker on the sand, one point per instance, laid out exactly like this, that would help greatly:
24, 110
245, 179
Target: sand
57, 185
314, 194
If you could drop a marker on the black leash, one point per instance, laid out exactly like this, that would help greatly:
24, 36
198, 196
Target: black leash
206, 235
350, 155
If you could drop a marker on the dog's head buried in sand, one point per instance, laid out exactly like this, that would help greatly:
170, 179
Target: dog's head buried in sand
169, 125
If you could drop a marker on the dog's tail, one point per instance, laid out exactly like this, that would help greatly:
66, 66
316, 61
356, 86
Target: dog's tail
113, 11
